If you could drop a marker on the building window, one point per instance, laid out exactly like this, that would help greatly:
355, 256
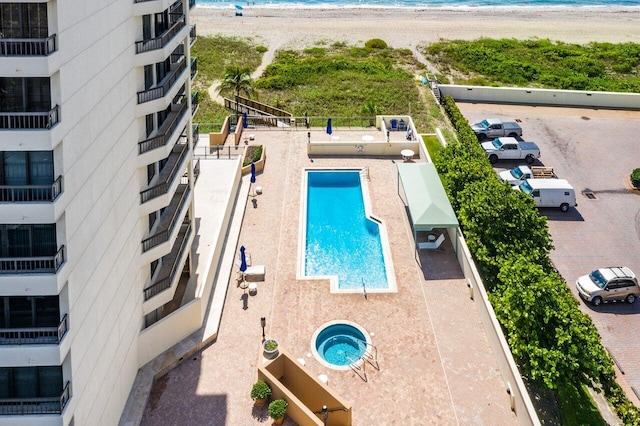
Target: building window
28, 94
29, 311
30, 382
24, 20
26, 168
28, 240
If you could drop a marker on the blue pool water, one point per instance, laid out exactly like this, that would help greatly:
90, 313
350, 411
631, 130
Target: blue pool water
340, 240
340, 344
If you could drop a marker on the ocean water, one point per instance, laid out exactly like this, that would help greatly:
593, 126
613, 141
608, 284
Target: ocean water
412, 3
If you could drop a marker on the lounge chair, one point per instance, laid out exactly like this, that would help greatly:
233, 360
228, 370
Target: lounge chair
432, 245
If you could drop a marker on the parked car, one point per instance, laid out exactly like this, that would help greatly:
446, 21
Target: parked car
610, 284
495, 128
519, 174
510, 149
550, 193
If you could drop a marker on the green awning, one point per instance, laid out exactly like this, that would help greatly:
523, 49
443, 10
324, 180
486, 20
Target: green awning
428, 204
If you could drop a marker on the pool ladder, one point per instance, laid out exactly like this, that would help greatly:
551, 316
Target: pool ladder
369, 356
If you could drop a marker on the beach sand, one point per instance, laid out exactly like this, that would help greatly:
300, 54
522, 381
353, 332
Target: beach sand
412, 28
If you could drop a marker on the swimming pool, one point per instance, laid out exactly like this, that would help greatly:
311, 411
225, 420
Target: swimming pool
342, 241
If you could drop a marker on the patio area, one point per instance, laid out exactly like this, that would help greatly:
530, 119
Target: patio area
436, 366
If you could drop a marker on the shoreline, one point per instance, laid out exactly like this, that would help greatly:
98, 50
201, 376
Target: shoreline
303, 27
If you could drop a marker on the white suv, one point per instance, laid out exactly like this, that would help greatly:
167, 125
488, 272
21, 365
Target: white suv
609, 285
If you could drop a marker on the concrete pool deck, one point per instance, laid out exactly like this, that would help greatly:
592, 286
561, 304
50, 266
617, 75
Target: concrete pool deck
436, 366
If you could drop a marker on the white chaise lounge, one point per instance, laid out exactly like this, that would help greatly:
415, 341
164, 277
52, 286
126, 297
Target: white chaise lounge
431, 245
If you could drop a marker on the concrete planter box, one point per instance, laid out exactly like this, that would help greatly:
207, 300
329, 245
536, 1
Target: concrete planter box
259, 164
291, 381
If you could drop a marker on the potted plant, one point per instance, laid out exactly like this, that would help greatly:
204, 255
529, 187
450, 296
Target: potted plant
270, 346
260, 392
277, 410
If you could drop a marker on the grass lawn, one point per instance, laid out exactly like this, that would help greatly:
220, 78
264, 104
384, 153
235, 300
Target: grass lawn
577, 407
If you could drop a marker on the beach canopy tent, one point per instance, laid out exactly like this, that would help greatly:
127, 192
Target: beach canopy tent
424, 194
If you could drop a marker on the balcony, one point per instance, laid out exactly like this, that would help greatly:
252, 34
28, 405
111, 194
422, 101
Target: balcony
192, 3
35, 335
168, 221
161, 41
44, 120
30, 193
172, 267
28, 46
165, 131
22, 406
162, 90
168, 174
33, 265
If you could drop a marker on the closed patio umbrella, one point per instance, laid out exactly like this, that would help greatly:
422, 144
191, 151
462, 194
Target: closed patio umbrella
329, 129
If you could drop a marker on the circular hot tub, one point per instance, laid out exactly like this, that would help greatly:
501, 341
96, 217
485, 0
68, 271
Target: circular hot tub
338, 344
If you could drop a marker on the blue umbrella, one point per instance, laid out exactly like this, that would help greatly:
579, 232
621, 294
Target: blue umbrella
253, 173
243, 259
329, 130
238, 7
244, 120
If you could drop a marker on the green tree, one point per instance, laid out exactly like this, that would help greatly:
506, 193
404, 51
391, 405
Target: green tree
237, 81
551, 338
500, 223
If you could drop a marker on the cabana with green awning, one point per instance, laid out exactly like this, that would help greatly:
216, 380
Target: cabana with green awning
425, 197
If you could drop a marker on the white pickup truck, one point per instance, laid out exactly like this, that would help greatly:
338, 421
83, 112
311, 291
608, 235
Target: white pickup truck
510, 149
518, 174
495, 128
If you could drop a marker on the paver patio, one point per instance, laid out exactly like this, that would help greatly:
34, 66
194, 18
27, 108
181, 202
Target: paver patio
436, 366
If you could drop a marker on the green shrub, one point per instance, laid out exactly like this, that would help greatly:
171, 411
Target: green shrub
260, 390
261, 49
277, 409
376, 43
635, 178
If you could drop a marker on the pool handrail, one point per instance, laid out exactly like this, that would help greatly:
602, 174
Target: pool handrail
370, 356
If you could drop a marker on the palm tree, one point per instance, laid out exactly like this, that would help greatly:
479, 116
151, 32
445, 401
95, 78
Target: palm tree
371, 109
238, 81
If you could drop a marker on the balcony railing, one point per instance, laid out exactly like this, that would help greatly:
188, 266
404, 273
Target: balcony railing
194, 68
160, 91
30, 193
28, 46
162, 236
192, 34
165, 131
167, 175
161, 41
195, 98
34, 335
196, 170
22, 406
30, 120
35, 265
165, 282
195, 135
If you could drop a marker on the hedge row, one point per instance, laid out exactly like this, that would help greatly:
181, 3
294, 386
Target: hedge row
551, 339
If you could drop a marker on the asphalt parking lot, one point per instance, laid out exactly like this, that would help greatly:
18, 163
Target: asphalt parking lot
595, 150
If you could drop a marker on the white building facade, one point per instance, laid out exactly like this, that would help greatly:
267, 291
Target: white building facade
96, 199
